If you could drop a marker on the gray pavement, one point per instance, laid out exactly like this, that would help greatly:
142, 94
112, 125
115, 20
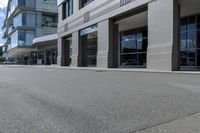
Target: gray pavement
53, 100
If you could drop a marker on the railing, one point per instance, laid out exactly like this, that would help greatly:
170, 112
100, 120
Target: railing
49, 24
125, 2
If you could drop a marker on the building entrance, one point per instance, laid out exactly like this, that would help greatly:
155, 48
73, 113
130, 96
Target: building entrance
89, 46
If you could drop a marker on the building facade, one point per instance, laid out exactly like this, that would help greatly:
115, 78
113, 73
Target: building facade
151, 34
26, 20
46, 49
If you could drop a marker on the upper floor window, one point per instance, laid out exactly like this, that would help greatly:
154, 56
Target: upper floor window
84, 3
67, 8
49, 20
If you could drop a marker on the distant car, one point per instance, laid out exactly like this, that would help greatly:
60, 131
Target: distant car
10, 62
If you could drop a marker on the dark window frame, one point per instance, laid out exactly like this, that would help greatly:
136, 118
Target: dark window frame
67, 9
84, 3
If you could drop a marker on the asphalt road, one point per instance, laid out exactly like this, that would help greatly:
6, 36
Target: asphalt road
50, 100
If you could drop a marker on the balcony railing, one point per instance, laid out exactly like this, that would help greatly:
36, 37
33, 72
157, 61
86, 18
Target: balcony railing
125, 2
49, 24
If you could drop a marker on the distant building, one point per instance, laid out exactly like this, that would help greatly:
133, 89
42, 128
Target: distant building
26, 20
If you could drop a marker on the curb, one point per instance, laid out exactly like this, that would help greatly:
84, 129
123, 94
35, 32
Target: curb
105, 69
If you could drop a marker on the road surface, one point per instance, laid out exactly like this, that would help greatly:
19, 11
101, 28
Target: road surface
60, 100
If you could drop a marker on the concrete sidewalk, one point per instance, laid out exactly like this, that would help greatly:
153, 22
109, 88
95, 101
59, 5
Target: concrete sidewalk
107, 69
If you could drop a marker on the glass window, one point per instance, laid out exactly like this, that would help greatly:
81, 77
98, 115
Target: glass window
191, 39
49, 20
21, 2
128, 59
183, 26
133, 48
198, 57
85, 2
183, 58
14, 39
22, 38
191, 57
198, 22
13, 5
67, 8
183, 40
187, 58
30, 3
54, 54
139, 42
17, 20
27, 18
128, 44
192, 25
189, 42
30, 35
198, 39
89, 46
91, 49
40, 60
30, 18
142, 59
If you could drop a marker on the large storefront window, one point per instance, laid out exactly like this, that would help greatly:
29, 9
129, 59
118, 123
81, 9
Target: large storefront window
54, 54
41, 55
89, 46
47, 56
190, 42
133, 48
68, 48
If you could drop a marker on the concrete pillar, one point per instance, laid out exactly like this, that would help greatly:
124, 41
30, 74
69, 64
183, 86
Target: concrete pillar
59, 57
45, 57
75, 49
107, 44
60, 15
62, 59
75, 5
162, 53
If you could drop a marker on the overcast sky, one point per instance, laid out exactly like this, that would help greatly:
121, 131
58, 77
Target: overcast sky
3, 5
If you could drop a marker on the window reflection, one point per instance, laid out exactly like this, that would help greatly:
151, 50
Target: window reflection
67, 8
190, 42
133, 47
89, 46
22, 38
